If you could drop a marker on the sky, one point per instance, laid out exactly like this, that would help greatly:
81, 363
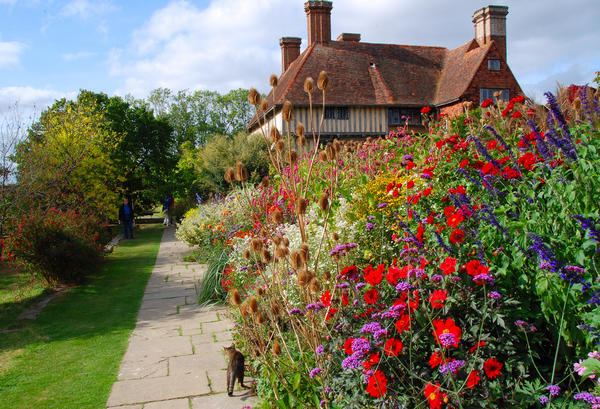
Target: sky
51, 49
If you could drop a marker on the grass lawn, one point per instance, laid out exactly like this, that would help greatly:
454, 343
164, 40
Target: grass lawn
69, 357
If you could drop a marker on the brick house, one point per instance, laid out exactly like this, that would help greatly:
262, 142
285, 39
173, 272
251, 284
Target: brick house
377, 87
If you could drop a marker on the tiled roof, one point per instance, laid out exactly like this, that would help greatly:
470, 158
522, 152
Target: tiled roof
381, 74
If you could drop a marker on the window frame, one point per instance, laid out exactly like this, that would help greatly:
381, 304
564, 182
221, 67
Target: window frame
494, 64
485, 93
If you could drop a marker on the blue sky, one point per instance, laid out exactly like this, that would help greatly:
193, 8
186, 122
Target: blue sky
53, 48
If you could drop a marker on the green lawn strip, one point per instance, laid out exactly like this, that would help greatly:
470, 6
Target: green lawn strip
17, 292
69, 357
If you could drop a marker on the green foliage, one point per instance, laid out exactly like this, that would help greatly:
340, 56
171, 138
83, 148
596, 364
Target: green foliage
61, 247
211, 288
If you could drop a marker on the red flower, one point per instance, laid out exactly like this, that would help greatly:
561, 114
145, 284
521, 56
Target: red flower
330, 313
373, 359
410, 165
393, 347
349, 271
528, 160
464, 163
425, 110
492, 144
326, 298
403, 323
516, 114
447, 326
348, 346
449, 211
457, 236
518, 100
437, 298
377, 386
345, 299
492, 368
455, 219
371, 296
475, 268
435, 360
395, 273
477, 346
420, 232
473, 379
374, 276
426, 192
531, 112
433, 395
448, 266
410, 184
486, 103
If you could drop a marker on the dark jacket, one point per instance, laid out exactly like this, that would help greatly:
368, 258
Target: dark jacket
122, 212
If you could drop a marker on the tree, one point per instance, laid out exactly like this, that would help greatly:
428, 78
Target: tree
65, 161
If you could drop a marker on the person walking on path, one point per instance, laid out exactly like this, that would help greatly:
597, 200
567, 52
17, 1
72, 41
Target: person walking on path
168, 209
126, 218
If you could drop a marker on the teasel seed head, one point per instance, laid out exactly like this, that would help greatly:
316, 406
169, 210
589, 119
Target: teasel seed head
266, 256
304, 278
260, 318
315, 286
301, 206
274, 134
229, 175
301, 141
240, 172
280, 145
273, 80
300, 129
253, 97
276, 348
324, 201
235, 297
243, 310
323, 156
309, 85
335, 236
256, 244
296, 260
277, 217
304, 253
275, 310
247, 254
323, 81
260, 291
265, 182
253, 305
277, 239
577, 103
286, 242
330, 152
326, 275
287, 113
263, 105
337, 146
292, 157
279, 253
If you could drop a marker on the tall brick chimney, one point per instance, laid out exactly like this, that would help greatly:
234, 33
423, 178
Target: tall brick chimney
319, 21
490, 24
290, 50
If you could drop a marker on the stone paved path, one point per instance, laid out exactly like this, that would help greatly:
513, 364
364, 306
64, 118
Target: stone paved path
175, 359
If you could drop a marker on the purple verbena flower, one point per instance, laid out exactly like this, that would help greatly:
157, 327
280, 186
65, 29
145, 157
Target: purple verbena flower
320, 350
495, 295
315, 372
553, 389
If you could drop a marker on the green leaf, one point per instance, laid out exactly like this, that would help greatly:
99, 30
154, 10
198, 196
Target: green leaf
296, 380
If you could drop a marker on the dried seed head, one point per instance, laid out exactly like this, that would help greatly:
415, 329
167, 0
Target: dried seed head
256, 244
468, 105
266, 256
276, 348
253, 97
497, 94
240, 172
286, 242
304, 278
296, 260
323, 81
577, 103
292, 157
304, 252
301, 206
259, 318
235, 297
287, 113
315, 286
337, 146
265, 182
247, 254
323, 156
260, 291
327, 275
324, 201
335, 236
253, 305
263, 105
275, 309
330, 152
229, 175
309, 85
244, 310
279, 253
300, 130
277, 239
301, 141
277, 217
273, 80
274, 134
279, 145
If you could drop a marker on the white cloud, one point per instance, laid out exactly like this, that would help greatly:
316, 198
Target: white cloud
86, 8
30, 100
77, 56
10, 54
233, 43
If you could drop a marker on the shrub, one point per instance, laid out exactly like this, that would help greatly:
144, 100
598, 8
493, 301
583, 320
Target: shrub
62, 247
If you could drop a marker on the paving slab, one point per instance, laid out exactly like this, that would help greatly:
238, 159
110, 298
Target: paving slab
175, 355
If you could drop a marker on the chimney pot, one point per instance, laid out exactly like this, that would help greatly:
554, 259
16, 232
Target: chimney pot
349, 37
318, 14
490, 24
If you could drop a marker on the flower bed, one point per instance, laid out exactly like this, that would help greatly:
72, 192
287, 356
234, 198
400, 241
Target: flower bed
456, 268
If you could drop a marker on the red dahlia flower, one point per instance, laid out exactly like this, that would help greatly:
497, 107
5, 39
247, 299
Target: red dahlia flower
425, 110
326, 298
473, 379
457, 236
369, 363
374, 276
448, 266
393, 347
434, 396
486, 103
435, 360
443, 327
371, 296
348, 346
475, 268
437, 299
377, 386
403, 323
492, 368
